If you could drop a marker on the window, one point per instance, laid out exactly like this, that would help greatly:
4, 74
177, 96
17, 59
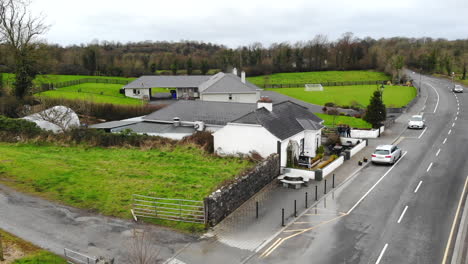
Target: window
134, 91
230, 96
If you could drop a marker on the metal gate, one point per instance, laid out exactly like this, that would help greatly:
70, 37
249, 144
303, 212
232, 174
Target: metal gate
74, 257
189, 211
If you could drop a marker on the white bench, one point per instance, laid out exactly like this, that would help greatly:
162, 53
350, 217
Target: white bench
296, 184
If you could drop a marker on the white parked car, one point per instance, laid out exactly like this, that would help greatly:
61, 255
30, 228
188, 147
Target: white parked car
457, 89
386, 154
416, 121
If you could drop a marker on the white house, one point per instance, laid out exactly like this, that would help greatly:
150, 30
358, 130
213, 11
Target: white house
221, 87
270, 129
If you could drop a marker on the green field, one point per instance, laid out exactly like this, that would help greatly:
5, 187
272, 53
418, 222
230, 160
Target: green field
32, 254
95, 92
104, 179
319, 77
53, 78
353, 122
393, 96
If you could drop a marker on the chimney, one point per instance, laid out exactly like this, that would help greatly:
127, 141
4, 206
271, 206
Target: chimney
176, 121
265, 102
243, 76
234, 71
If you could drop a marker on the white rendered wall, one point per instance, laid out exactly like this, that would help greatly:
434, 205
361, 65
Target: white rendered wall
236, 98
241, 138
143, 92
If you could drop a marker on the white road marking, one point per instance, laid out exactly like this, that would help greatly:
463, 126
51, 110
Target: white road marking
372, 188
381, 254
456, 118
438, 97
458, 113
437, 154
422, 133
428, 168
417, 187
402, 214
450, 131
449, 242
445, 140
453, 124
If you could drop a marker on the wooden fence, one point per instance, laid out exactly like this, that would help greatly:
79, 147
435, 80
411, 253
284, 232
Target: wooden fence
181, 210
301, 85
49, 86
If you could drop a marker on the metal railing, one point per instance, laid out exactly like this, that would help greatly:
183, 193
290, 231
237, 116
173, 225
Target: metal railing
189, 211
74, 257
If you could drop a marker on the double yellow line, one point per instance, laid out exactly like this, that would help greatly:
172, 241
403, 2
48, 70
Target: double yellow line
278, 242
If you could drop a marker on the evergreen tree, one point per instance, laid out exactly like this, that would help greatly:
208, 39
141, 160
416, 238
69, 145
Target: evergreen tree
376, 112
189, 66
174, 67
204, 67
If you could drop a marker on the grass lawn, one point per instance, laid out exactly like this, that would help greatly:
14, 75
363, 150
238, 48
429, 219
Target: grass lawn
348, 120
104, 179
394, 96
30, 253
319, 77
95, 92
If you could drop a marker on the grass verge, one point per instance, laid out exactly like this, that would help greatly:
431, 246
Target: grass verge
22, 252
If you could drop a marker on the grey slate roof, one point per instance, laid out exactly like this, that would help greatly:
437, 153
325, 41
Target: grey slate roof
168, 81
213, 113
113, 124
283, 120
150, 127
218, 83
226, 83
308, 124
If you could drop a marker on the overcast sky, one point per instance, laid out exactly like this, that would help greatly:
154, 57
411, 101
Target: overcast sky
243, 22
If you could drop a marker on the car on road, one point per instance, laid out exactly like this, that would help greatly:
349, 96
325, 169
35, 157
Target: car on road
457, 89
416, 121
386, 154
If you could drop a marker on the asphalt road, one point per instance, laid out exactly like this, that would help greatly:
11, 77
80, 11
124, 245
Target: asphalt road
391, 214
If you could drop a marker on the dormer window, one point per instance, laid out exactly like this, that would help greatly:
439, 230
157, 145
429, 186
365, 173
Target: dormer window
230, 96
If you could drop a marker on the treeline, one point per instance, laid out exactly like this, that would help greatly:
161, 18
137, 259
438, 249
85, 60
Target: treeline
191, 57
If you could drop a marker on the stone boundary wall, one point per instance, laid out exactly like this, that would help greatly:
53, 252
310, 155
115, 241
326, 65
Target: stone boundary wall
227, 199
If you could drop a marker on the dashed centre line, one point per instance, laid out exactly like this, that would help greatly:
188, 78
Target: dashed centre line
445, 140
402, 214
429, 168
437, 154
456, 118
450, 131
417, 187
453, 124
381, 254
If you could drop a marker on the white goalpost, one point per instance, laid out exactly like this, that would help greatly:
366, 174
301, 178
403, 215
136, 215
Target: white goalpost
311, 87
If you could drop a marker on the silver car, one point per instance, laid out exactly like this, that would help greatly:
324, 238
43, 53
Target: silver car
416, 121
457, 89
386, 154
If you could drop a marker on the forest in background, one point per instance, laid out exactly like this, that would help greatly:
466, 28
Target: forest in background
192, 58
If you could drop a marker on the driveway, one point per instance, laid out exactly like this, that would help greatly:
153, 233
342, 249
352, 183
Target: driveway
55, 227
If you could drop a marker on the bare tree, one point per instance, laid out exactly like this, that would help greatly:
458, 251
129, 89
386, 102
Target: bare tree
61, 116
19, 31
141, 249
